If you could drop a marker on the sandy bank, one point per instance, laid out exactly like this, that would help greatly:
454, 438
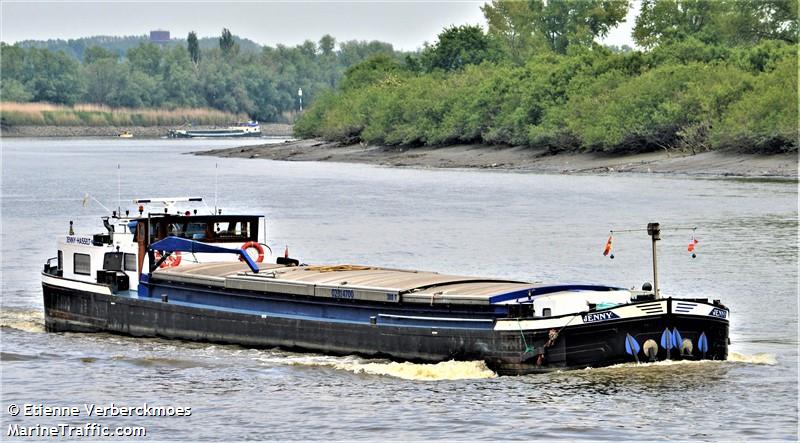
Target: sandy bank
525, 159
269, 129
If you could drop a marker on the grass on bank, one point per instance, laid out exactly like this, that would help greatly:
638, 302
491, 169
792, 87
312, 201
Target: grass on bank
46, 114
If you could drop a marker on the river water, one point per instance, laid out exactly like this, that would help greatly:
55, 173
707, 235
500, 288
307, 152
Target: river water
489, 223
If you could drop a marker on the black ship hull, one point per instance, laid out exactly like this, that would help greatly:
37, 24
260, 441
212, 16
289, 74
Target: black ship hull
508, 352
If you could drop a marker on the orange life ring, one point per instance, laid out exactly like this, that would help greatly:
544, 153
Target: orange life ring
257, 246
172, 260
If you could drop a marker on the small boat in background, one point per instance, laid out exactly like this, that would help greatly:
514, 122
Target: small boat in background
241, 129
125, 134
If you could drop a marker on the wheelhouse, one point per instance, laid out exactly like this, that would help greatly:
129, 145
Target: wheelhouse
120, 253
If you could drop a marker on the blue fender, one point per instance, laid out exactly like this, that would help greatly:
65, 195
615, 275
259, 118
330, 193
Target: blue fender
666, 339
702, 343
677, 340
631, 345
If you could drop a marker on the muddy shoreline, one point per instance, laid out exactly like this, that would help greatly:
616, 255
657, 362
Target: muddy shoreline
268, 129
711, 164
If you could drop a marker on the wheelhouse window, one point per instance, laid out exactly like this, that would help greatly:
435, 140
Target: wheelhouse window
197, 231
112, 261
82, 264
236, 230
208, 229
60, 260
130, 262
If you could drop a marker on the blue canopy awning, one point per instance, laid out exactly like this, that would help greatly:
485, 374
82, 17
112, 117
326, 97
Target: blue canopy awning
173, 244
548, 289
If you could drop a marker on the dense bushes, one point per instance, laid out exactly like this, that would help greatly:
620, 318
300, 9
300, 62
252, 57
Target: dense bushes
714, 75
684, 96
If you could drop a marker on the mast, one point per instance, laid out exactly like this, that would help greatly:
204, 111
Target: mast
654, 231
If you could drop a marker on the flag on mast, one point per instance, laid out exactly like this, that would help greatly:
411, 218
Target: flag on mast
609, 246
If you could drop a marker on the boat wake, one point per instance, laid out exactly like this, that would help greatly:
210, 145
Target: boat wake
448, 370
22, 320
759, 358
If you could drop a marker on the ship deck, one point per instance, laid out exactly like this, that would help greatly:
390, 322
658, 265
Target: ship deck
348, 281
363, 283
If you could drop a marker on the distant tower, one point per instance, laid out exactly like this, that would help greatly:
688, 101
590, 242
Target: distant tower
159, 37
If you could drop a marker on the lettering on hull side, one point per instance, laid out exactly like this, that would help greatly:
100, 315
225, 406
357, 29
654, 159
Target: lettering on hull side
594, 317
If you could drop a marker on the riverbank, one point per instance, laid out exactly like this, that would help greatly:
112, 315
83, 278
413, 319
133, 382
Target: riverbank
712, 164
268, 129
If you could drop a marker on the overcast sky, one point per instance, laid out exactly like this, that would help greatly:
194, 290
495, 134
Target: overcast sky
406, 25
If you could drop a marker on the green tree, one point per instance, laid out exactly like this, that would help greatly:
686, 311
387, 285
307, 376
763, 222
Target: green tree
327, 44
459, 46
727, 22
135, 89
513, 24
146, 57
566, 22
178, 79
765, 118
12, 62
751, 21
370, 71
327, 61
102, 79
193, 47
352, 52
227, 44
53, 77
666, 21
95, 53
12, 90
523, 27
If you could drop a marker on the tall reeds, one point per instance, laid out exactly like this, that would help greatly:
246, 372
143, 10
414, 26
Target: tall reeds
13, 114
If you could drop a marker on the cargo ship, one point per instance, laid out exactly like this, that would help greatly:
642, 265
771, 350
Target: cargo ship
209, 277
242, 129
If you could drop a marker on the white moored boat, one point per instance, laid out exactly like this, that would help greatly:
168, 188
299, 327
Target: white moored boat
241, 129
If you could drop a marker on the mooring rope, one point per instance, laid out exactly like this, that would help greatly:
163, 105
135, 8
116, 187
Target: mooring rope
522, 334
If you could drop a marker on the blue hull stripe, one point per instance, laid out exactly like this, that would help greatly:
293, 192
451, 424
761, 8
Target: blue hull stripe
322, 310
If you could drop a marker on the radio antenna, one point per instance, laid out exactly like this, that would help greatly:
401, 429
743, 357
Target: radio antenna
119, 190
216, 180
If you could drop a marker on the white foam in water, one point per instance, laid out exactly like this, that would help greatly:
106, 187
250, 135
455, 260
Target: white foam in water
27, 321
448, 370
759, 358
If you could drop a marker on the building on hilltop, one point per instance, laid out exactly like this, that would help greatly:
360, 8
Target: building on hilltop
159, 36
